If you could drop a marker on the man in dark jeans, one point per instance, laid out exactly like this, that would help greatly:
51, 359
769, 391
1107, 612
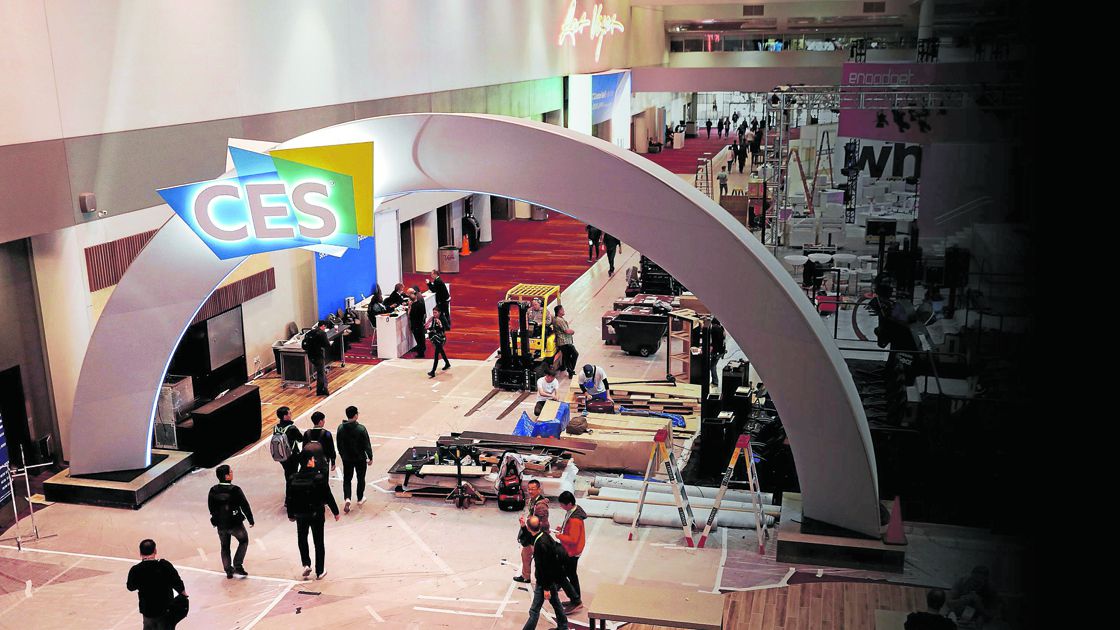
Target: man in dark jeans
155, 578
288, 429
308, 494
612, 244
550, 560
443, 298
229, 509
417, 317
315, 343
356, 453
594, 235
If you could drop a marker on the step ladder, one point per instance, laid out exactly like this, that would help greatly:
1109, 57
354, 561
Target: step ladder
824, 151
676, 481
742, 447
703, 181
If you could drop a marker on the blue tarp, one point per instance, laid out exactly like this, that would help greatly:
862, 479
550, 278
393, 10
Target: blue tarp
526, 427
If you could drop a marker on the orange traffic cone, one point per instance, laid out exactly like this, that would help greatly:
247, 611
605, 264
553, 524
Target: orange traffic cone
895, 535
466, 249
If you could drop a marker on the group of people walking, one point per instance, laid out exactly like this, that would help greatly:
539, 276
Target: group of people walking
555, 560
612, 245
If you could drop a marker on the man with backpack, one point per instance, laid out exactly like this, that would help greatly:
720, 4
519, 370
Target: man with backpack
229, 509
319, 443
308, 496
550, 560
284, 445
356, 453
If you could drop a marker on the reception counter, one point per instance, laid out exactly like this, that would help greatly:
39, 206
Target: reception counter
394, 337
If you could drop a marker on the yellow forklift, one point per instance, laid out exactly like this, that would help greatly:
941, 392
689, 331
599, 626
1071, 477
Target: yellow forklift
528, 346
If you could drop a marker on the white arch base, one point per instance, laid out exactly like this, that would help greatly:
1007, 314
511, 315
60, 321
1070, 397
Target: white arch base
643, 204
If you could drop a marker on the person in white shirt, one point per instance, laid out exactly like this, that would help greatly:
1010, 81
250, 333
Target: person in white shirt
546, 391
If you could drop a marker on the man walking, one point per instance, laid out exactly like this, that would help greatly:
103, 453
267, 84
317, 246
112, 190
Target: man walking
708, 125
356, 453
319, 443
593, 236
154, 579
611, 243
443, 298
315, 344
550, 561
417, 315
308, 495
573, 536
229, 509
284, 445
535, 508
722, 177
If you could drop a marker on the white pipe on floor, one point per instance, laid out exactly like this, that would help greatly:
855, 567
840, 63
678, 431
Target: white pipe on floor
663, 488
660, 516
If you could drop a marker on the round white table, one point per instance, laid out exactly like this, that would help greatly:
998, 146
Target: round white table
866, 262
821, 259
794, 261
843, 260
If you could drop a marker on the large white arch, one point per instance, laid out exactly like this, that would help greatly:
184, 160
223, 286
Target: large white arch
643, 204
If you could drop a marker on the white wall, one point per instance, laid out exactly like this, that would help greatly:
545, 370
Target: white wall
425, 242
481, 206
266, 317
387, 241
96, 67
66, 326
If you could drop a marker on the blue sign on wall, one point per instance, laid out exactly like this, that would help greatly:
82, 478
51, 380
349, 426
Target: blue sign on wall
352, 274
5, 472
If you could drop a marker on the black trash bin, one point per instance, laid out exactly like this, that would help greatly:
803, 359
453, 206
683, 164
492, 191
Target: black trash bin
717, 439
639, 334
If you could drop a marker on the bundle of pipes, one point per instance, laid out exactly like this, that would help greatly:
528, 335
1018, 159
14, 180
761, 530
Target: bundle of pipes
698, 503
659, 515
601, 481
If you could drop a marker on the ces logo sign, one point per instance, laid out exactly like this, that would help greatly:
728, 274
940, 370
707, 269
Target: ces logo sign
288, 198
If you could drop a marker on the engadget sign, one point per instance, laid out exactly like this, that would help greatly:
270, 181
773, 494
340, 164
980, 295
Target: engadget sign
288, 198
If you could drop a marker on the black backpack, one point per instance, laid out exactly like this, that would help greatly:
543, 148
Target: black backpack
510, 496
303, 496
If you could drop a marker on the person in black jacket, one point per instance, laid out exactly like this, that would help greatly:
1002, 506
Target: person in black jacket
718, 349
593, 236
229, 509
155, 578
396, 298
611, 243
417, 315
439, 337
356, 453
308, 495
315, 343
319, 443
289, 430
550, 561
443, 298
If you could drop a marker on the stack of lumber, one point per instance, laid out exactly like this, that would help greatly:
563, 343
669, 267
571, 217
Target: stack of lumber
681, 399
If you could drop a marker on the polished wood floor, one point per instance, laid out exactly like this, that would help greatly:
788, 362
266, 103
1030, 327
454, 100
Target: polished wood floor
848, 605
299, 399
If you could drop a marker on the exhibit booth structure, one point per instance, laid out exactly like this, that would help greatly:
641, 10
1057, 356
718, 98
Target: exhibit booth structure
618, 191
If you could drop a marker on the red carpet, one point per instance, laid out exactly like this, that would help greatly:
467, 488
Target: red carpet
684, 160
360, 352
535, 252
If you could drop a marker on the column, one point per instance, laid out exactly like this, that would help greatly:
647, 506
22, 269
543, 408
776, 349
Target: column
425, 241
925, 19
387, 243
481, 206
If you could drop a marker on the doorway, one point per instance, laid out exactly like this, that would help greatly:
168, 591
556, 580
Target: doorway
408, 259
13, 413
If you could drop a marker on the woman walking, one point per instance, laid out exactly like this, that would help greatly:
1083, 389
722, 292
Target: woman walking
438, 337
